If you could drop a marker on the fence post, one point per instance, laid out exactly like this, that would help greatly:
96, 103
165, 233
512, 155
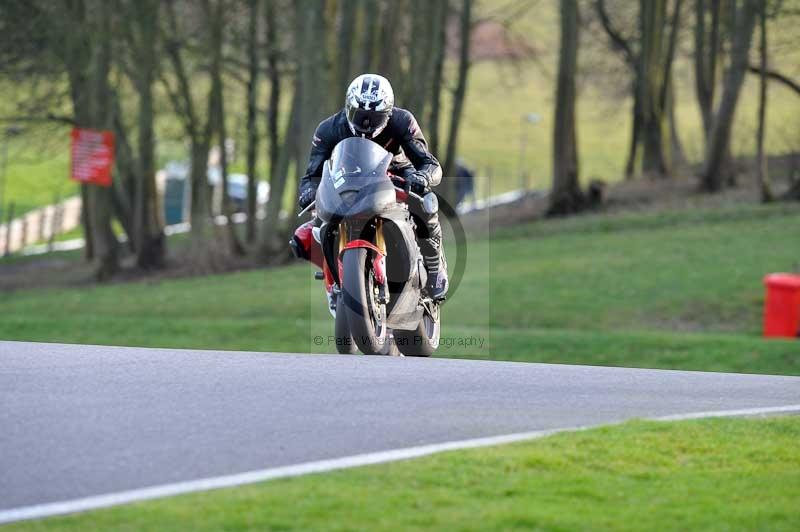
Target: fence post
55, 222
487, 188
10, 218
23, 241
55, 225
42, 220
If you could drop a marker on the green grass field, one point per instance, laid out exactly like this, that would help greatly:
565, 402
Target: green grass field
37, 173
663, 290
724, 474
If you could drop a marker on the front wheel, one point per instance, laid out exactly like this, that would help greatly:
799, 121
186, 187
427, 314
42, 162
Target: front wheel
422, 341
344, 340
366, 316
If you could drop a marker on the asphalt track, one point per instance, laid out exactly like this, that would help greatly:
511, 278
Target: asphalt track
81, 421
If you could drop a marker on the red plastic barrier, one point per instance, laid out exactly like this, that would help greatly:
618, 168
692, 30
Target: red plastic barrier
782, 306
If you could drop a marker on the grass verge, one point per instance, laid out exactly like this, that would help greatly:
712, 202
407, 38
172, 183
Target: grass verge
722, 474
665, 290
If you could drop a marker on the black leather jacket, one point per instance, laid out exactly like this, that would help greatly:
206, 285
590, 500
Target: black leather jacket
401, 137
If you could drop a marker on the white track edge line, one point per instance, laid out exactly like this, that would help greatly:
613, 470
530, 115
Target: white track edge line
732, 413
250, 477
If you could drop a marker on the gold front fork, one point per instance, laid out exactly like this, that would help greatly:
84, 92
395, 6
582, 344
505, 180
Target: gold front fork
342, 238
379, 241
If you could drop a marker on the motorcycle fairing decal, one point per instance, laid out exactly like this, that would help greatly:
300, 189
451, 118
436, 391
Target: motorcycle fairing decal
378, 263
379, 267
353, 244
328, 277
401, 196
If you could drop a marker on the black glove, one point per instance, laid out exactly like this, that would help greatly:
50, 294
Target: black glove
307, 195
418, 183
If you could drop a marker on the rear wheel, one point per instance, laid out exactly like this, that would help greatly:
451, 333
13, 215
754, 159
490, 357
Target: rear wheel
366, 316
422, 341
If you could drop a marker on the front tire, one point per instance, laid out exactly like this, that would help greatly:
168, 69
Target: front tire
366, 317
344, 340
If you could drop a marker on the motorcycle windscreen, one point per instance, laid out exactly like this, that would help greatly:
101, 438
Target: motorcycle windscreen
356, 162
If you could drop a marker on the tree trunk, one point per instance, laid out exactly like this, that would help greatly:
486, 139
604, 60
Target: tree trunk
184, 106
707, 50
368, 52
762, 172
274, 86
389, 42
465, 30
632, 60
565, 195
271, 242
704, 56
126, 176
106, 244
651, 67
793, 194
347, 26
150, 235
667, 95
88, 64
148, 228
439, 52
106, 247
421, 56
86, 224
217, 23
654, 130
310, 86
252, 126
198, 178
676, 146
636, 132
719, 142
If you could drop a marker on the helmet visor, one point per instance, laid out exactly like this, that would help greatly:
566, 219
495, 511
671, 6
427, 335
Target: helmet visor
367, 121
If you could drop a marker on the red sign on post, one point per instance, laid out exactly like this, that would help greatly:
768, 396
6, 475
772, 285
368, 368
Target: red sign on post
92, 156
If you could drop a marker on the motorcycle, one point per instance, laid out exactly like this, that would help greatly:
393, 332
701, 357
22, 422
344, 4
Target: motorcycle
371, 263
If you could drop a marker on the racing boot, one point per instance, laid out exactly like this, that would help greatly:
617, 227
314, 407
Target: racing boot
436, 266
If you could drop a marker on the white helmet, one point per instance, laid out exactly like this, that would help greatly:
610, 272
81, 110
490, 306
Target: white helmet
368, 104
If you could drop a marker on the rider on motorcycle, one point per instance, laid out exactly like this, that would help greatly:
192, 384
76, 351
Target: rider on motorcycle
369, 112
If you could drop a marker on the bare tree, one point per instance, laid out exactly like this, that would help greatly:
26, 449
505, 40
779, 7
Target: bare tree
87, 60
252, 115
368, 59
44, 46
652, 15
216, 18
437, 81
459, 95
311, 82
346, 36
421, 56
625, 47
649, 57
273, 108
745, 17
142, 39
389, 38
179, 89
708, 41
762, 172
706, 52
565, 193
